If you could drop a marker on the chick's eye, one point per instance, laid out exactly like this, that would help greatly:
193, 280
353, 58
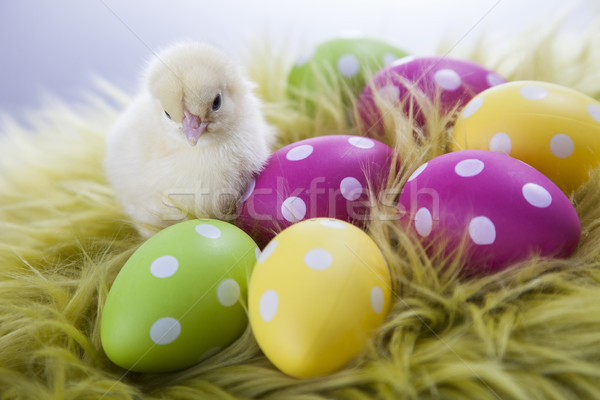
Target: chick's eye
216, 103
167, 114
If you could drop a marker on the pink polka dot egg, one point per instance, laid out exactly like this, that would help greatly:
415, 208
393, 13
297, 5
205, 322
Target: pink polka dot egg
318, 291
178, 299
551, 127
501, 209
324, 176
414, 85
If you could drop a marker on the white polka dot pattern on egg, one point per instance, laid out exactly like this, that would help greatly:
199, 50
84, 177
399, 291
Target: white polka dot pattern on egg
164, 267
423, 222
318, 259
267, 251
417, 172
494, 79
594, 111
377, 299
468, 168
268, 305
293, 209
299, 152
333, 223
208, 231
249, 190
388, 59
351, 188
533, 92
562, 145
482, 231
447, 79
165, 330
348, 65
472, 107
536, 195
389, 93
501, 143
361, 142
228, 292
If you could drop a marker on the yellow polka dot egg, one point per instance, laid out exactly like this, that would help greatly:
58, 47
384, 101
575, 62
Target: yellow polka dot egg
177, 299
553, 128
317, 292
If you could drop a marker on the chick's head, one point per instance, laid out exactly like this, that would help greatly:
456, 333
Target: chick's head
199, 92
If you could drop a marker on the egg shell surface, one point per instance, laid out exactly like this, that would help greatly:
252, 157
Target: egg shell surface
402, 86
341, 62
318, 291
324, 176
553, 128
505, 210
177, 298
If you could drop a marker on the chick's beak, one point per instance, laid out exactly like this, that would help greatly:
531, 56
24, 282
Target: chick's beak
193, 127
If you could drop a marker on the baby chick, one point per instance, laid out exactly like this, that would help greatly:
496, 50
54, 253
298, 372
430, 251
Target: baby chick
190, 142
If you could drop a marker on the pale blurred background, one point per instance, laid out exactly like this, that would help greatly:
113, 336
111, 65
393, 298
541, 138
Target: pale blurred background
55, 47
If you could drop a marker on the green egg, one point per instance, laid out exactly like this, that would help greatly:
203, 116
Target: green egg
179, 298
340, 65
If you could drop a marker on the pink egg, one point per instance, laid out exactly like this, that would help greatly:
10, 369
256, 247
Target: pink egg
399, 87
325, 176
504, 209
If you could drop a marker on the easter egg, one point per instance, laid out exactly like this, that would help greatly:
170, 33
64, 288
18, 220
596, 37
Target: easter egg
550, 127
501, 209
339, 65
324, 176
415, 85
318, 291
177, 299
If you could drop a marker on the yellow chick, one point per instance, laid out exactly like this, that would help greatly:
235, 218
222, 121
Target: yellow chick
190, 142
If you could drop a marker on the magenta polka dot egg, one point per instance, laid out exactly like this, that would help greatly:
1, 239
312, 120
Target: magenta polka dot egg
504, 209
325, 176
409, 82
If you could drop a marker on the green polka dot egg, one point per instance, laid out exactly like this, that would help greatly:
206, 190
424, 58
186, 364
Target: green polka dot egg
318, 291
339, 65
553, 128
177, 300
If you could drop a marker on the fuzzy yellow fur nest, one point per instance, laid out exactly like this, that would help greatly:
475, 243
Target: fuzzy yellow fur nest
530, 332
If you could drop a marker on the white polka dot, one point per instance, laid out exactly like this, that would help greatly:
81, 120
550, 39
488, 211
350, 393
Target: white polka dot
501, 143
468, 168
389, 93
494, 79
351, 188
293, 209
164, 267
249, 190
482, 230
423, 222
594, 111
318, 259
333, 223
536, 195
472, 107
299, 152
533, 92
377, 299
208, 231
447, 79
209, 353
268, 305
165, 331
267, 251
389, 58
417, 172
348, 65
361, 142
228, 292
562, 146
257, 253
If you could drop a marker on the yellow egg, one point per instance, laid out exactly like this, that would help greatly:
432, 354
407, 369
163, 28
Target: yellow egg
550, 127
317, 292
